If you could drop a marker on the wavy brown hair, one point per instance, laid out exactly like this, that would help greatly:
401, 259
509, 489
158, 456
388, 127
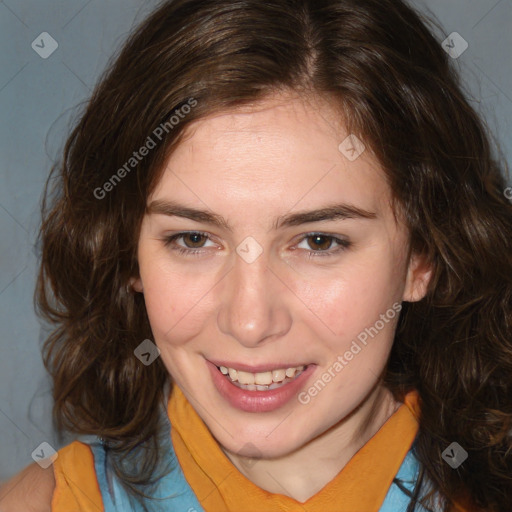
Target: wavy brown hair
380, 63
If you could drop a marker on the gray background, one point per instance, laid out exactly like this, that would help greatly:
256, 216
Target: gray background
38, 99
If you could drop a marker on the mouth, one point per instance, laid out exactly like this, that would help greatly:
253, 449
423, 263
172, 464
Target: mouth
263, 380
261, 391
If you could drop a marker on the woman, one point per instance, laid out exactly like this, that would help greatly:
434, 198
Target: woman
278, 259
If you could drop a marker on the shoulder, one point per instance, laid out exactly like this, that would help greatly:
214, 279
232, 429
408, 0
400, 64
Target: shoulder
77, 487
31, 490
70, 483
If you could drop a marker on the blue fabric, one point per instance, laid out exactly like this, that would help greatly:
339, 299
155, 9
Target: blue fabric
178, 495
396, 499
173, 489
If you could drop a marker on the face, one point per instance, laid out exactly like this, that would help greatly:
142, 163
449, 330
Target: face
265, 248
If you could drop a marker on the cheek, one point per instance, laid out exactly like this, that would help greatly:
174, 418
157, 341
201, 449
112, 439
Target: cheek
177, 303
355, 330
344, 303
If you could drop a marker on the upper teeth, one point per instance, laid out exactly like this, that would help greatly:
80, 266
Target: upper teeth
261, 378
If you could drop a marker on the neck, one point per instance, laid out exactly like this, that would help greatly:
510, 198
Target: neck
304, 472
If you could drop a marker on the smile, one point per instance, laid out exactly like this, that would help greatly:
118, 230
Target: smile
261, 381
265, 390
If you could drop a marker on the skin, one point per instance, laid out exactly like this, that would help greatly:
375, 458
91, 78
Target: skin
292, 304
31, 490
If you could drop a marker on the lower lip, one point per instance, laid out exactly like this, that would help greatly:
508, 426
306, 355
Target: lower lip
258, 401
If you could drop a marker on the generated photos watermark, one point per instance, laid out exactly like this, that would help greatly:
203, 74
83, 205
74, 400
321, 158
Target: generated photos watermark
45, 455
147, 352
454, 455
149, 144
305, 397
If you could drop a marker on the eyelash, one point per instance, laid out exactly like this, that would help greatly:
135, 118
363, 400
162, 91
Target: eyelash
343, 244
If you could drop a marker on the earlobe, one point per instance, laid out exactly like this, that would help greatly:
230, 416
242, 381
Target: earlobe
419, 274
136, 284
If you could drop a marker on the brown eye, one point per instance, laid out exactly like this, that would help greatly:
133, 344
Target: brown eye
320, 242
189, 243
323, 245
194, 240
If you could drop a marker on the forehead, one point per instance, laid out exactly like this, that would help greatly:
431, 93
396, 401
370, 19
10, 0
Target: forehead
280, 153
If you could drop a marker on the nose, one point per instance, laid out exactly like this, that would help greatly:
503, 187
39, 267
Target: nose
253, 306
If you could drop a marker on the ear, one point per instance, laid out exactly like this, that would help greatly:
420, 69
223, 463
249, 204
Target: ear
136, 284
419, 274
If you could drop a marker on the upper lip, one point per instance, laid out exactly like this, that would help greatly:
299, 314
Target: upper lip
259, 368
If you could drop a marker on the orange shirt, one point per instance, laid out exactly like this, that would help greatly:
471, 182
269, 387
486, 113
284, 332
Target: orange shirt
361, 485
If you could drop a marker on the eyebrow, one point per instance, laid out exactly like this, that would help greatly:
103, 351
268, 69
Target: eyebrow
340, 211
